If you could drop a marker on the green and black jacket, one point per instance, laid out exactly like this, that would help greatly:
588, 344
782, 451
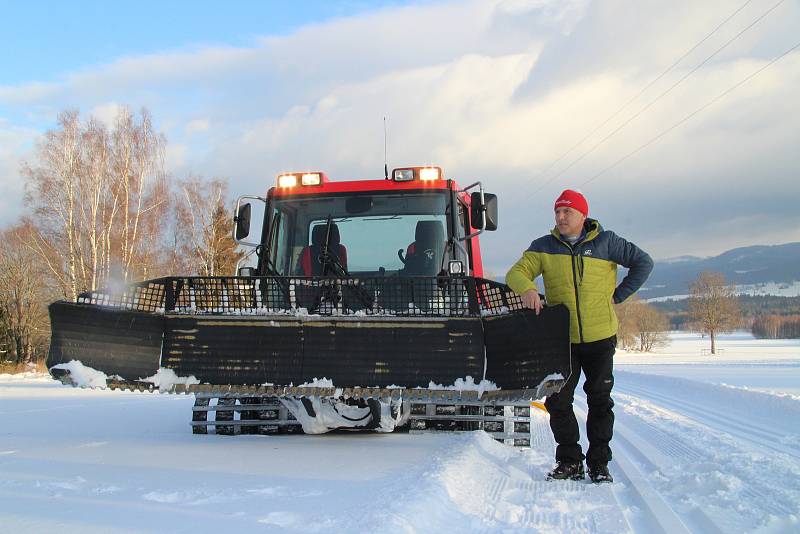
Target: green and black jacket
583, 277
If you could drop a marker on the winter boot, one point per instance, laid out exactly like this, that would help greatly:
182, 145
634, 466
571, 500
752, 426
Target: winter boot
599, 474
567, 470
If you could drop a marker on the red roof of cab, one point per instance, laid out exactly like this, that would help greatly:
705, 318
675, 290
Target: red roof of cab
357, 186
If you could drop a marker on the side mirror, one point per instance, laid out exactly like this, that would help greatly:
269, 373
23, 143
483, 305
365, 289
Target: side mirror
242, 221
478, 211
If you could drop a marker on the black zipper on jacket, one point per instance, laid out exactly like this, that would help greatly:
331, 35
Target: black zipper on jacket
573, 253
577, 299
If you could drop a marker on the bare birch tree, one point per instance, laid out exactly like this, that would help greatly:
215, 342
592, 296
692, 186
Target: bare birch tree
652, 326
713, 305
99, 197
23, 297
203, 227
139, 189
53, 185
641, 326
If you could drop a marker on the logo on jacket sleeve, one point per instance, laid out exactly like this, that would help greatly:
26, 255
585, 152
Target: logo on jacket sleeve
587, 252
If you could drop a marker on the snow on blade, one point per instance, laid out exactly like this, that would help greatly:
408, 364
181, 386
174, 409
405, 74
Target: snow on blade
82, 375
166, 379
467, 384
318, 383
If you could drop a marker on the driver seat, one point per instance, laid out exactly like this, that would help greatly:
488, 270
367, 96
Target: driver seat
309, 256
424, 255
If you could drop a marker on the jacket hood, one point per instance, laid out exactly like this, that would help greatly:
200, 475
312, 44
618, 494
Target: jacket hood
592, 227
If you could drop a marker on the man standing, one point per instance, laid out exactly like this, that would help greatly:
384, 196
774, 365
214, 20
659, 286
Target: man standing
578, 262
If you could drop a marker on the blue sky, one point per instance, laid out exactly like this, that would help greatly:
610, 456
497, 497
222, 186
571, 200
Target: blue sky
521, 94
52, 38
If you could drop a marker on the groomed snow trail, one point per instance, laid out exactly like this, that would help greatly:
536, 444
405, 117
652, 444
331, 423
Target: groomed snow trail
723, 459
689, 457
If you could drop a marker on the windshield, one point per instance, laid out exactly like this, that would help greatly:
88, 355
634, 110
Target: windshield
369, 233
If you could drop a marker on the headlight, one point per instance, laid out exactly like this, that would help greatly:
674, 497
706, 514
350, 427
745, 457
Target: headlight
455, 267
403, 175
429, 173
423, 174
311, 178
287, 180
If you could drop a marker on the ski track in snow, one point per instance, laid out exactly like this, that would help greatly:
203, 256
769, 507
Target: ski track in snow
721, 470
690, 456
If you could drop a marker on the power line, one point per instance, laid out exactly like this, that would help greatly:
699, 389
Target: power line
643, 90
659, 97
692, 114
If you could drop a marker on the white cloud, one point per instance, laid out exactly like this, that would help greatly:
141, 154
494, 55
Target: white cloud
29, 92
106, 113
14, 142
197, 126
492, 90
559, 15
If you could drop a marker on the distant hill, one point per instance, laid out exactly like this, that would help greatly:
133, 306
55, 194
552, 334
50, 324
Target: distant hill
760, 269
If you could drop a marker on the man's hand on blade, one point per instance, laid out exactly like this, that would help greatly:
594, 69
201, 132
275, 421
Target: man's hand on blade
530, 299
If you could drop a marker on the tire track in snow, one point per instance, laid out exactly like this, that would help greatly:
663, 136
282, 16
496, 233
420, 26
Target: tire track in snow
700, 469
718, 420
660, 441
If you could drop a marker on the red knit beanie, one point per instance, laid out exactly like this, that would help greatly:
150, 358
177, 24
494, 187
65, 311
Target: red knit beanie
573, 199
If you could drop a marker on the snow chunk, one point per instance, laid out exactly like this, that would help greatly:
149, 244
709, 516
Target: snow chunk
467, 384
166, 379
552, 376
330, 414
318, 383
82, 375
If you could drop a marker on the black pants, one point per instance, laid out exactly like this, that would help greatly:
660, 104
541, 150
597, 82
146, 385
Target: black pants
596, 360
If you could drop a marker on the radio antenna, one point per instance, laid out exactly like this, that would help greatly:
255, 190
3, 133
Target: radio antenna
385, 160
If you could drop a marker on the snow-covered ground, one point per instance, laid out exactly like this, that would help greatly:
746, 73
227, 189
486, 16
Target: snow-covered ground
702, 444
769, 365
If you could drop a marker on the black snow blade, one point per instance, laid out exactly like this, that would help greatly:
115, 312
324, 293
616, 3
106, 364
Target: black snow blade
117, 342
524, 350
279, 332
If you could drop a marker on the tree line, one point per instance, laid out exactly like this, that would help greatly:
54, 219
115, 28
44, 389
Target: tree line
713, 309
776, 327
100, 210
753, 307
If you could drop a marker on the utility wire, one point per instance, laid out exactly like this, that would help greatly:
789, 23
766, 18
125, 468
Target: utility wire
656, 99
692, 114
642, 91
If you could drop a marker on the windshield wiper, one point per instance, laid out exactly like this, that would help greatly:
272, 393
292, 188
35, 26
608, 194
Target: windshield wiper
267, 252
269, 266
330, 262
392, 217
